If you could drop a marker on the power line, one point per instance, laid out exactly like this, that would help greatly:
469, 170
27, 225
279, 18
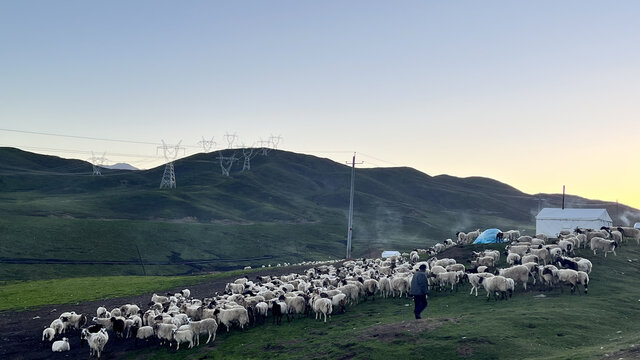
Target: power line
80, 137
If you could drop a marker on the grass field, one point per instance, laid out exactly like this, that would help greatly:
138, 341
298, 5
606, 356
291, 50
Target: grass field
556, 326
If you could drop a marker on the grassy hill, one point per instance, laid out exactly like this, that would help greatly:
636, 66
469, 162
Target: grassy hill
289, 207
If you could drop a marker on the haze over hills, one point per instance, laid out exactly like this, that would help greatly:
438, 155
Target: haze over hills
287, 207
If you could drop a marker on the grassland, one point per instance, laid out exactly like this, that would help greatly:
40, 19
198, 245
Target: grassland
528, 326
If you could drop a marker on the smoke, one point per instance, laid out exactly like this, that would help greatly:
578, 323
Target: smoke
463, 223
628, 218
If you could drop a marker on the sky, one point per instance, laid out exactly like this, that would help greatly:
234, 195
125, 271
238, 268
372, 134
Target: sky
534, 94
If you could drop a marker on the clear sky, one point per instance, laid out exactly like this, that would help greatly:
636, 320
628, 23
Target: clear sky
537, 94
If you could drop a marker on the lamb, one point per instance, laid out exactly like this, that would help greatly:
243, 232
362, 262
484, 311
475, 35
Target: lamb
60, 345
237, 315
598, 243
183, 336
322, 306
59, 326
497, 284
141, 333
48, 334
519, 273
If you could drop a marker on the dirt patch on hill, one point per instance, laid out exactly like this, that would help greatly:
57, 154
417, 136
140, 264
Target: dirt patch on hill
404, 330
631, 353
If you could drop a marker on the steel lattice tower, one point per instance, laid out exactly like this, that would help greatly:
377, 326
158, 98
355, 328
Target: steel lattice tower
170, 154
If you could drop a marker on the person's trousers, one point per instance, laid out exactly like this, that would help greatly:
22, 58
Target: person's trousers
420, 304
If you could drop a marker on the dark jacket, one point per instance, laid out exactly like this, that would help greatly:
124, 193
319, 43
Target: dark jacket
419, 284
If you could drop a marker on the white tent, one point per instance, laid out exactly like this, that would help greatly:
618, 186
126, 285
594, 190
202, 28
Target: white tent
550, 221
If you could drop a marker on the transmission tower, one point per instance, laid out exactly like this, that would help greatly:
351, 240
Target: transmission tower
275, 140
226, 162
230, 139
264, 146
247, 153
207, 145
170, 154
97, 163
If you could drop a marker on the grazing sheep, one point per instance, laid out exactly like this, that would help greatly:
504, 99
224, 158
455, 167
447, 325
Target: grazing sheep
472, 236
568, 276
513, 259
462, 237
517, 249
583, 279
452, 278
60, 345
530, 258
370, 288
566, 246
488, 261
205, 326
630, 232
543, 253
598, 243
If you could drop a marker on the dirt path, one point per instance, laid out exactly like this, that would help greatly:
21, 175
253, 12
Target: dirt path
21, 332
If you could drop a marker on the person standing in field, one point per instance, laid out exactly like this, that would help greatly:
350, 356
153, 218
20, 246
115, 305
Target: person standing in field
419, 290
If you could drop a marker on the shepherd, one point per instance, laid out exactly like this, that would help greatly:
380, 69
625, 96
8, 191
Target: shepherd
419, 290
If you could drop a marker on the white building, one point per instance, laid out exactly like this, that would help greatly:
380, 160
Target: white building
550, 221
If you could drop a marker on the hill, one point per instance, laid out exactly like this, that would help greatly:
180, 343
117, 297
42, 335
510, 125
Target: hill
287, 208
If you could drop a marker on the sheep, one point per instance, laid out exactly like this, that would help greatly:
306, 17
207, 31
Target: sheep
400, 284
237, 315
483, 261
118, 325
233, 288
530, 258
48, 334
101, 312
205, 326
322, 306
452, 278
339, 302
296, 305
186, 293
455, 267
71, 319
59, 326
584, 265
159, 299
385, 286
97, 341
414, 257
524, 238
583, 279
496, 284
183, 336
568, 276
548, 275
474, 280
262, 309
517, 249
543, 253
462, 237
511, 235
566, 246
164, 332
472, 236
141, 333
513, 259
519, 273
598, 243
630, 232
536, 241
60, 345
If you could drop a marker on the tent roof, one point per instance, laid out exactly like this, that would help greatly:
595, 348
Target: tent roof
573, 214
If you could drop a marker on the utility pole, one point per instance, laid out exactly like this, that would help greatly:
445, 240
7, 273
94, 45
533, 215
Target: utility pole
350, 230
230, 139
247, 153
226, 162
170, 154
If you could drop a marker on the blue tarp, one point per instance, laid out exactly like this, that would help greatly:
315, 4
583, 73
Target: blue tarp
488, 237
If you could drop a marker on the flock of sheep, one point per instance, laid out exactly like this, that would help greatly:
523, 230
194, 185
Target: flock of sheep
328, 288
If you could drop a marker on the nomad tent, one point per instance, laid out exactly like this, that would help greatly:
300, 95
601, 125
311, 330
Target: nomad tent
390, 253
489, 236
550, 221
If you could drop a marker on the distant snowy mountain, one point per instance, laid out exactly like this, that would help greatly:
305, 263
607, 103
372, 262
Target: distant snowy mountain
120, 166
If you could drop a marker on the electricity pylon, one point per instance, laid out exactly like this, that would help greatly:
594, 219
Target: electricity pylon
226, 162
170, 154
207, 145
97, 163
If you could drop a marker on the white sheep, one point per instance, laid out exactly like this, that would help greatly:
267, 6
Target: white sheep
519, 273
568, 276
513, 259
204, 326
60, 345
102, 312
474, 280
400, 284
385, 286
497, 284
322, 306
142, 333
452, 278
59, 326
530, 258
48, 334
164, 332
237, 315
598, 243
183, 336
97, 341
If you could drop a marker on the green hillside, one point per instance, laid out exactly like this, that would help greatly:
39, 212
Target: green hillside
289, 207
